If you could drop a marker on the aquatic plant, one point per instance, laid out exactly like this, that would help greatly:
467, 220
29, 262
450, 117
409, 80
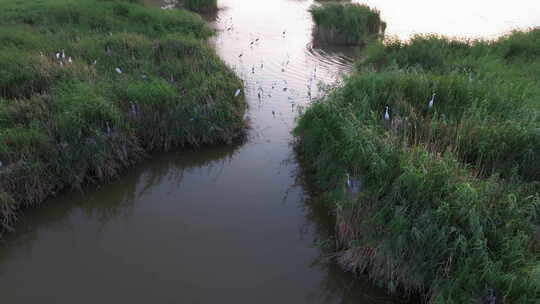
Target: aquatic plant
449, 206
88, 88
346, 23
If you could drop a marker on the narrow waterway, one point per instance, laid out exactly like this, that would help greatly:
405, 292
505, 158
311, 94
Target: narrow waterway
226, 224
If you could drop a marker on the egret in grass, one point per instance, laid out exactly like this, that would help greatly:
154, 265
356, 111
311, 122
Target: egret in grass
386, 114
118, 70
133, 108
237, 93
58, 55
69, 60
430, 103
349, 181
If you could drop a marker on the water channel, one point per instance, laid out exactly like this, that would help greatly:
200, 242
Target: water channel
222, 224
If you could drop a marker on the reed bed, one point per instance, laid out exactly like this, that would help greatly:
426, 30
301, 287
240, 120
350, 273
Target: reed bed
449, 206
89, 88
346, 23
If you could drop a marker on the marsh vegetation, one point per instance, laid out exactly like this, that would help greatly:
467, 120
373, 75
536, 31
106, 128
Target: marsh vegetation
346, 23
202, 6
88, 88
450, 203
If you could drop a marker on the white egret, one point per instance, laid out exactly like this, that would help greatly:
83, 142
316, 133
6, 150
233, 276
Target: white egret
69, 60
118, 70
63, 54
58, 55
133, 108
430, 103
349, 181
237, 93
386, 114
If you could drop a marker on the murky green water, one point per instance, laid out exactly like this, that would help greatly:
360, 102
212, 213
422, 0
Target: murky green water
221, 225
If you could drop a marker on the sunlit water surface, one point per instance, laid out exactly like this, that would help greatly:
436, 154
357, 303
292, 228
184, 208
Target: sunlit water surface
230, 224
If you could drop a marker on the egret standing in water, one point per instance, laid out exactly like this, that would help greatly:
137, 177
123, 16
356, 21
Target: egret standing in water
430, 103
386, 114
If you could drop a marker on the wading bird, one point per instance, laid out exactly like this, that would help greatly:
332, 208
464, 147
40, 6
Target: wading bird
118, 70
386, 115
430, 103
237, 93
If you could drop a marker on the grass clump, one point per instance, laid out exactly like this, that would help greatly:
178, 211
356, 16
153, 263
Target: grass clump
449, 205
346, 23
88, 88
202, 6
